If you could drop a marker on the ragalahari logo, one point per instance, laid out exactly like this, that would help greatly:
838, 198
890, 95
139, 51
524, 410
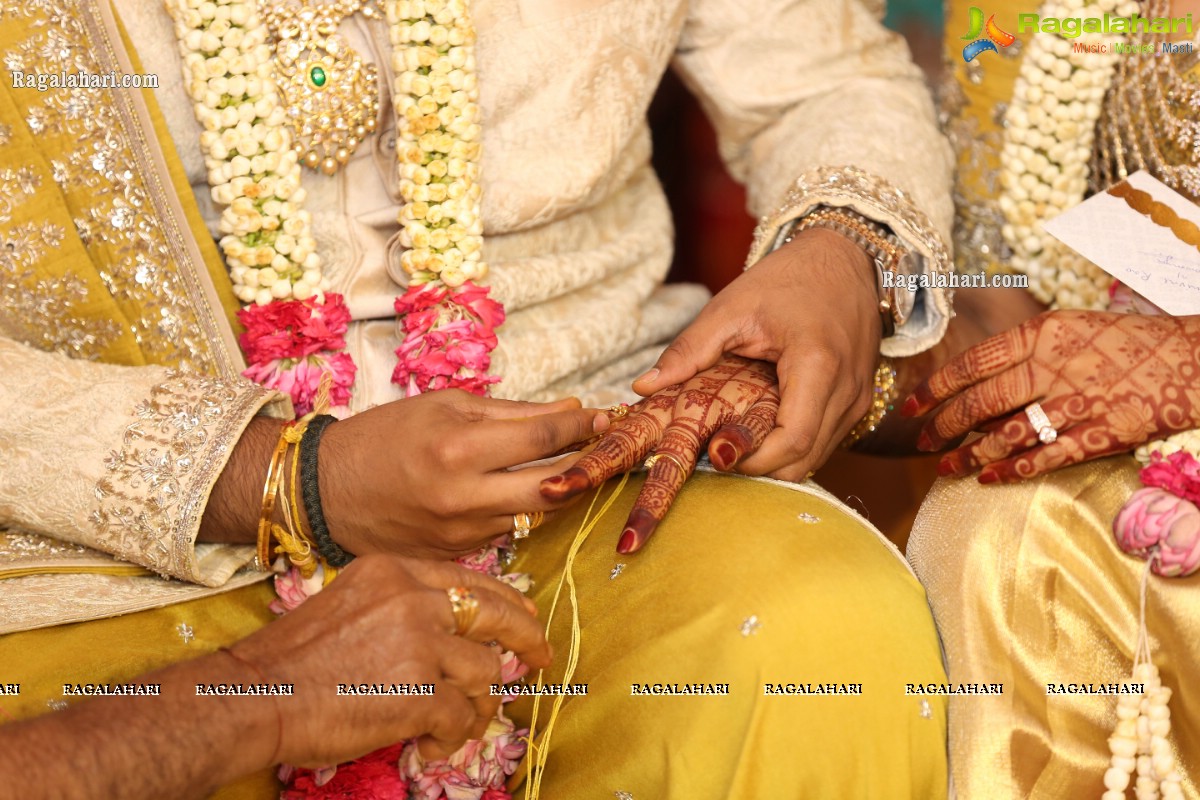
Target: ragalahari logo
995, 36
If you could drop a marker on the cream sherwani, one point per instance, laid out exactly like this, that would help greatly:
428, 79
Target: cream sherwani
814, 101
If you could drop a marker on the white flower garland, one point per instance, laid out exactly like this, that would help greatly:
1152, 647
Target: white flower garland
253, 171
436, 95
1050, 131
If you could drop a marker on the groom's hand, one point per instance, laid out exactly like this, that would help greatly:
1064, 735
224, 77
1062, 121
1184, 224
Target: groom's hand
811, 308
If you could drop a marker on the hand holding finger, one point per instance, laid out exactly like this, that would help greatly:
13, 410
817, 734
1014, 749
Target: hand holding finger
621, 448
735, 440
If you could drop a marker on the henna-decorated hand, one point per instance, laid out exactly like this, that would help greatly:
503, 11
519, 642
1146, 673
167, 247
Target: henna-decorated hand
1108, 382
730, 406
811, 308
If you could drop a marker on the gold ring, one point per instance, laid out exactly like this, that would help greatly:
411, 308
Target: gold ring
653, 459
465, 607
536, 519
619, 410
522, 524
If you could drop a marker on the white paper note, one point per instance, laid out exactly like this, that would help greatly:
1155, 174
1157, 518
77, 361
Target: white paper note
1134, 248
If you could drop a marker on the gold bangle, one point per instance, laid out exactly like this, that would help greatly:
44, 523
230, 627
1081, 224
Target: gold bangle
883, 398
270, 493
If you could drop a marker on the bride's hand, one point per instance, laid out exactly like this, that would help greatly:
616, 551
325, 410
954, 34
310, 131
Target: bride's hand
427, 476
730, 406
1107, 382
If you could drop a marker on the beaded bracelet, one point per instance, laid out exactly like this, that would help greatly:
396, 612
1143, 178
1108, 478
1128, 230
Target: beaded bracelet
326, 546
882, 246
883, 398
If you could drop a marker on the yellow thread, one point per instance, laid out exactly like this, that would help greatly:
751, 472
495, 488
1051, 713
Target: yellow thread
533, 781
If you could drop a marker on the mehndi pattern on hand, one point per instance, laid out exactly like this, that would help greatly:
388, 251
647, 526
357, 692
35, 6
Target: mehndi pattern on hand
730, 407
1107, 382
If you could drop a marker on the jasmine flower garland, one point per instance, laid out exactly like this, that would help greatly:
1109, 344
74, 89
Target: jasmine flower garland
295, 330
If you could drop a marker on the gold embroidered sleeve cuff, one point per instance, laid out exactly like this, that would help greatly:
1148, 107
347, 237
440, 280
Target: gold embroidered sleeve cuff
120, 459
876, 200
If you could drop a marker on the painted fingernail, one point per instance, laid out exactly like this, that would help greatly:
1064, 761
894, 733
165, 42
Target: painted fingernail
986, 477
627, 542
569, 484
638, 529
726, 455
946, 468
910, 407
924, 442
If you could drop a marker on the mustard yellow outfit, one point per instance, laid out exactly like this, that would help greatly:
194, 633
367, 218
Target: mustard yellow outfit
122, 400
1026, 581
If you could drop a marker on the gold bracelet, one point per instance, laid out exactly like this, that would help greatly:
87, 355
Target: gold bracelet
294, 542
270, 493
883, 398
883, 248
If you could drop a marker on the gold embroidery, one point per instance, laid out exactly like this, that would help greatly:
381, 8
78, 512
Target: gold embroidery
844, 186
41, 311
150, 501
111, 188
17, 548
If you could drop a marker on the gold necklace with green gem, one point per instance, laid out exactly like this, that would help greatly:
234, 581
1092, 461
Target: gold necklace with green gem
329, 94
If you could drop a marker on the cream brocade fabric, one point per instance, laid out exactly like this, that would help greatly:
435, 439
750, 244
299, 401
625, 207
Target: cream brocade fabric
577, 231
578, 234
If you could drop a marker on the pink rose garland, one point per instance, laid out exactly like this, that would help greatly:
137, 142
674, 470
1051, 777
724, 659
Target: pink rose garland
291, 344
448, 336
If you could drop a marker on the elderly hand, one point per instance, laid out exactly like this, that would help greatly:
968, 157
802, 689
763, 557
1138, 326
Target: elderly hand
387, 619
1107, 382
731, 407
810, 308
428, 476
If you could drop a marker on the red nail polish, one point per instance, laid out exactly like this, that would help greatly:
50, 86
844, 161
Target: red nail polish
986, 477
727, 455
909, 409
628, 541
553, 480
946, 468
924, 442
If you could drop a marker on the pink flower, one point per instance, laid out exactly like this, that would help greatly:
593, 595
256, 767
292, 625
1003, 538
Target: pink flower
480, 765
485, 560
293, 329
1124, 300
1178, 473
1154, 521
302, 379
511, 668
448, 338
375, 776
293, 589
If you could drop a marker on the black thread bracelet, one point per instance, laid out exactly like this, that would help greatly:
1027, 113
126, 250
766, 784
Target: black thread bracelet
310, 488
